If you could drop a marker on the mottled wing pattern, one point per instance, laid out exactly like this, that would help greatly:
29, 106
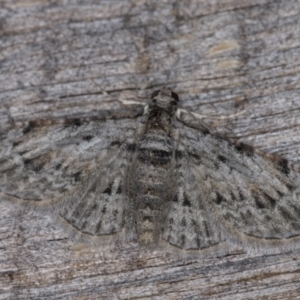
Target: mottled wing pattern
75, 171
200, 189
250, 196
188, 224
97, 205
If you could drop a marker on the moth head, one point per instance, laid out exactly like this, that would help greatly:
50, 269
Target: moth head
165, 99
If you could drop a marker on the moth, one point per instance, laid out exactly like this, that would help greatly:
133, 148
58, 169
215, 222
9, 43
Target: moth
153, 179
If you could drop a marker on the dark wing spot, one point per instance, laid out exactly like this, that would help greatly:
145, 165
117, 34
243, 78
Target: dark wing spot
104, 209
98, 226
196, 156
37, 164
280, 194
93, 188
178, 154
113, 230
143, 156
131, 147
183, 222
87, 137
205, 131
244, 149
290, 187
15, 144
108, 190
9, 274
271, 200
282, 165
94, 207
175, 199
75, 122
22, 152
115, 143
259, 204
186, 201
29, 127
57, 167
194, 223
148, 218
241, 195
119, 189
76, 176
219, 199
216, 165
268, 218
222, 158
162, 154
175, 97
232, 196
155, 157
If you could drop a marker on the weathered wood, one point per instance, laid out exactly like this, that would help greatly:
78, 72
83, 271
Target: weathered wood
222, 58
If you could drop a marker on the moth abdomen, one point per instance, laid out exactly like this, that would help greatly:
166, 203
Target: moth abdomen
152, 168
148, 219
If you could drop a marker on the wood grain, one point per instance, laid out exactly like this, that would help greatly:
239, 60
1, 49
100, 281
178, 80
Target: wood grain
223, 58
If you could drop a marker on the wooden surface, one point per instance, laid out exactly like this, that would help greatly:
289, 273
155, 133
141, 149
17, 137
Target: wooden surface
223, 58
